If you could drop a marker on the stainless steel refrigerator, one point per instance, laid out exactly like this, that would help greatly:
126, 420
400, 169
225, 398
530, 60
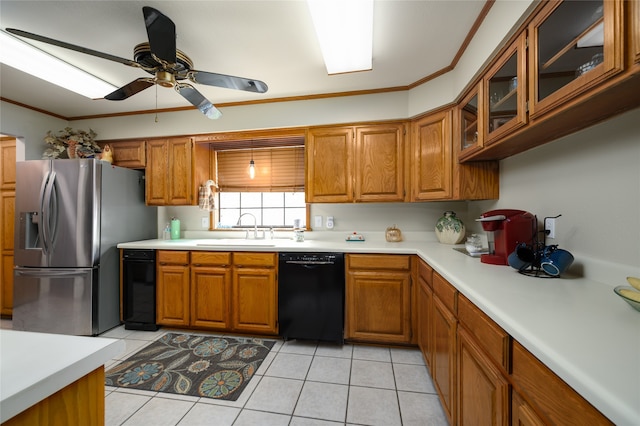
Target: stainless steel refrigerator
69, 217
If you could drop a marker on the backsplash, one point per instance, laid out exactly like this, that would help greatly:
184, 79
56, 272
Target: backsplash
360, 217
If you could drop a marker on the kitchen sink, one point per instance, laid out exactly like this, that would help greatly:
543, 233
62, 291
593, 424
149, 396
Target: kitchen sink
235, 242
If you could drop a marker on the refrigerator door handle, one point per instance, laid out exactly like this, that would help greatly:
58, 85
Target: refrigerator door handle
32, 272
48, 212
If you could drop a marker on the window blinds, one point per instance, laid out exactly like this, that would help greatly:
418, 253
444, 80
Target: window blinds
277, 170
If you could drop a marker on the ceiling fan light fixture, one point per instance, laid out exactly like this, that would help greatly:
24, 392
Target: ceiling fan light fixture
345, 32
27, 58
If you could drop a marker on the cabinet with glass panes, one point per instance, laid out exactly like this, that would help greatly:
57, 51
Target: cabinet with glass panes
573, 46
470, 123
504, 92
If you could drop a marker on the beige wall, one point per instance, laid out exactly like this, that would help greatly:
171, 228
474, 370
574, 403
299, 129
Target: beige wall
592, 178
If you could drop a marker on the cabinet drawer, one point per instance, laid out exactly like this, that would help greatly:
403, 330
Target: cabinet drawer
175, 257
254, 259
425, 272
378, 261
210, 258
445, 292
493, 339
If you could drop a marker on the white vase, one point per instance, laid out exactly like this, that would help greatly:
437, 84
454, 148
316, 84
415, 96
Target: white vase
450, 229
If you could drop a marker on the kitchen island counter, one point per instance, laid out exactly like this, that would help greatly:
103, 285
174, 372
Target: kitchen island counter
34, 366
577, 327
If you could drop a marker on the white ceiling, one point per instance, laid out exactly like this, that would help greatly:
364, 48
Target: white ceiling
272, 41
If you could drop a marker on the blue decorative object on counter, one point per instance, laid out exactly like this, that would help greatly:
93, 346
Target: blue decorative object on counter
450, 229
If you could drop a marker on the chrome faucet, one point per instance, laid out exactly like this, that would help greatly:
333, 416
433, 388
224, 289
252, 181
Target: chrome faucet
255, 225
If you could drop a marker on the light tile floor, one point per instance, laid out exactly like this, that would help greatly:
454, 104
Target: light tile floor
298, 384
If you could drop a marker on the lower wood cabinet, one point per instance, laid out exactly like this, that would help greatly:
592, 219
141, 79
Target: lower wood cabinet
548, 396
482, 375
522, 414
172, 288
211, 290
378, 298
255, 293
443, 364
217, 290
425, 312
483, 392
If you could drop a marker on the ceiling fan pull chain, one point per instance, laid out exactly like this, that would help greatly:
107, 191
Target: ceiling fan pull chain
156, 103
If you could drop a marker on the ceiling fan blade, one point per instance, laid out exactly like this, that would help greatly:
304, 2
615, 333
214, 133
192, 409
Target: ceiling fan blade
228, 81
130, 89
70, 46
162, 34
198, 100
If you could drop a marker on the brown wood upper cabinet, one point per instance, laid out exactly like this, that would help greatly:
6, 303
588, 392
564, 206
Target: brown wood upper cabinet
567, 60
432, 157
169, 178
356, 164
435, 172
130, 154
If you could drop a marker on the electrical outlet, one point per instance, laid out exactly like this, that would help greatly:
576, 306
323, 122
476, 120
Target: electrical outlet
317, 222
550, 227
329, 222
204, 222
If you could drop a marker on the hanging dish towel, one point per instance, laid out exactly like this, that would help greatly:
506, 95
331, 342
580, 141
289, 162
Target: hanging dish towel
206, 200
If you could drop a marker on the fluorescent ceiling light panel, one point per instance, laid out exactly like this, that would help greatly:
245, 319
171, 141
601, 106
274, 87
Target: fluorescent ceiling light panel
25, 57
345, 32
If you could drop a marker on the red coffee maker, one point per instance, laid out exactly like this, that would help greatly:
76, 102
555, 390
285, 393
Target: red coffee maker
506, 229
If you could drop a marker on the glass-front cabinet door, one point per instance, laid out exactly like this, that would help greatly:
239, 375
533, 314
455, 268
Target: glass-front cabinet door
574, 46
469, 122
635, 28
504, 93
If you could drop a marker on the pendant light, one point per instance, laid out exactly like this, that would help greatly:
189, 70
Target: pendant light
252, 165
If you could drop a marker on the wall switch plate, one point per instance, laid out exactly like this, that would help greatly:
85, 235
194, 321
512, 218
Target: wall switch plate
550, 227
204, 222
317, 221
329, 222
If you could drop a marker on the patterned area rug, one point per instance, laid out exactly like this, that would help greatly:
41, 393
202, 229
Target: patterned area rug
206, 366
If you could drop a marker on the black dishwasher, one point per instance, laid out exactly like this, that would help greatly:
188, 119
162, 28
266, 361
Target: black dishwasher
311, 296
139, 289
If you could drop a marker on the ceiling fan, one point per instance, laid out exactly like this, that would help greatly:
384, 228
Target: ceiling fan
168, 65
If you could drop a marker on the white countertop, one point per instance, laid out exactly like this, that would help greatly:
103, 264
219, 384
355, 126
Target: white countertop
578, 327
34, 366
